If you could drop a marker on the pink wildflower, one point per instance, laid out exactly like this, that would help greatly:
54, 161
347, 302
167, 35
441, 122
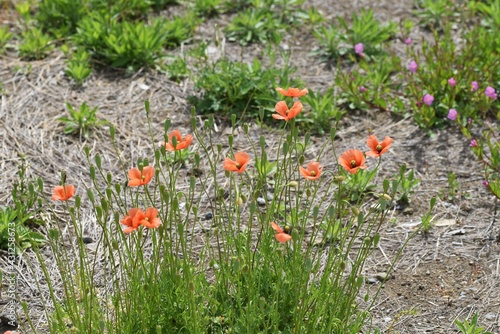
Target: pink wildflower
452, 82
490, 92
408, 41
359, 48
428, 99
413, 66
474, 85
473, 143
452, 114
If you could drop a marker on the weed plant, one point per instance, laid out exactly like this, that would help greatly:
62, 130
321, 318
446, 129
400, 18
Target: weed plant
5, 36
339, 39
266, 20
240, 89
20, 220
264, 241
81, 120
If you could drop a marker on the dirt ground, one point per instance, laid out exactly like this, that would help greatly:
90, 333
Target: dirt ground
450, 273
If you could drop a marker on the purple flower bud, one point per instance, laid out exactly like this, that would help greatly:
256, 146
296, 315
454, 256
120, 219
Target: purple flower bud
428, 99
362, 89
413, 66
359, 48
452, 82
469, 121
452, 114
473, 143
486, 183
475, 86
408, 41
490, 92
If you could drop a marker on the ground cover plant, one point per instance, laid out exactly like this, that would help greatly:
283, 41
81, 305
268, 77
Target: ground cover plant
231, 198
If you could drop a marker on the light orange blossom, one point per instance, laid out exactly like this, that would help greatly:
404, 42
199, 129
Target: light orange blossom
352, 161
312, 172
140, 177
180, 142
136, 217
378, 148
292, 92
63, 193
287, 114
239, 163
280, 235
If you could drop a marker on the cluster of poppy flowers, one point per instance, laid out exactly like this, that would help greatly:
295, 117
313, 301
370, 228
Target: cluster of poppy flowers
351, 160
141, 177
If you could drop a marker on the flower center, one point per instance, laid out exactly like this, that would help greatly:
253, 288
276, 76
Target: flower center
312, 173
238, 165
379, 148
146, 219
143, 177
353, 163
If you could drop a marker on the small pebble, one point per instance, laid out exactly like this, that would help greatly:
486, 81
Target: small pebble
408, 211
382, 277
490, 316
87, 240
261, 201
209, 216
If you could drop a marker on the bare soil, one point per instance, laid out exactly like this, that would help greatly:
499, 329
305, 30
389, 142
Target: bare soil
450, 273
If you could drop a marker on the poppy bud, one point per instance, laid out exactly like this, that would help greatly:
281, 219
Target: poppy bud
262, 302
355, 211
308, 192
368, 241
239, 201
293, 184
342, 265
243, 198
386, 197
215, 232
338, 179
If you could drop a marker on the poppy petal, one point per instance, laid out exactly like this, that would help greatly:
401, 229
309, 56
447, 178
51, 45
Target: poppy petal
283, 237
281, 108
276, 227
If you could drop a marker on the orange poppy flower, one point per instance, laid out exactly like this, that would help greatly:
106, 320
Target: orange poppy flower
130, 221
136, 218
352, 160
292, 92
140, 178
148, 219
63, 193
287, 114
377, 149
312, 172
281, 236
237, 165
181, 143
